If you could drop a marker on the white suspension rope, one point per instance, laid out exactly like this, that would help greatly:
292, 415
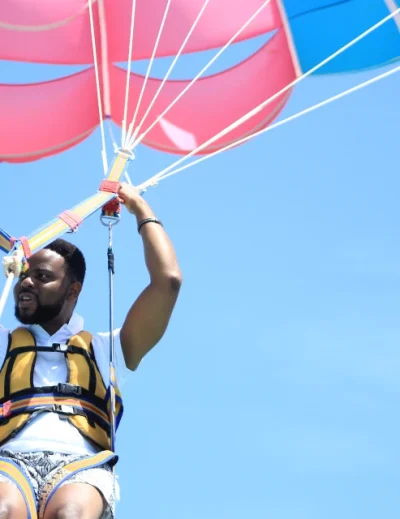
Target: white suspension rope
138, 128
256, 110
6, 293
160, 31
128, 73
12, 269
133, 143
99, 103
105, 72
384, 75
112, 136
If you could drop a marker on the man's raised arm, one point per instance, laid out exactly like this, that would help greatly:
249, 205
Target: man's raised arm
148, 318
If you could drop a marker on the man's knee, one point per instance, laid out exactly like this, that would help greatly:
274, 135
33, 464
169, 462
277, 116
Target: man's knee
6, 509
12, 504
68, 511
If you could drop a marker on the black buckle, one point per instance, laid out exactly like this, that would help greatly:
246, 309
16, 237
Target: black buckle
57, 346
68, 389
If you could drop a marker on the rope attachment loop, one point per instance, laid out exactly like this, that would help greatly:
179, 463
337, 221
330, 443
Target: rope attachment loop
14, 264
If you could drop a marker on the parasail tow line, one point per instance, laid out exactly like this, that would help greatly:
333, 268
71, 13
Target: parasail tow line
134, 142
110, 216
336, 97
172, 66
149, 67
262, 105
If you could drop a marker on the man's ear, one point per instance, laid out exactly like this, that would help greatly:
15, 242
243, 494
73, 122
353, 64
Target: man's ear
74, 290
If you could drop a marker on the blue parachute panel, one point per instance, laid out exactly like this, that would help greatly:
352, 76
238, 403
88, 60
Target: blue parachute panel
296, 8
321, 27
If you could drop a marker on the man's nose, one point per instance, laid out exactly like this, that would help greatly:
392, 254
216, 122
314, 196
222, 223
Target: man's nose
27, 282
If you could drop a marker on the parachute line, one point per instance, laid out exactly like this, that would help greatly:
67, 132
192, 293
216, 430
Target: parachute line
99, 98
258, 108
172, 65
6, 292
160, 31
134, 143
104, 58
128, 73
276, 125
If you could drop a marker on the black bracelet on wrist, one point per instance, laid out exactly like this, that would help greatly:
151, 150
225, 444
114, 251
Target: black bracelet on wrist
148, 220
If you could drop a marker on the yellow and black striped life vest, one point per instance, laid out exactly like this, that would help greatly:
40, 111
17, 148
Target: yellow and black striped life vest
83, 399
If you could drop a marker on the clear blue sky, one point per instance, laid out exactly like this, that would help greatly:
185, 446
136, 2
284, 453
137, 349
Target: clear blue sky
275, 391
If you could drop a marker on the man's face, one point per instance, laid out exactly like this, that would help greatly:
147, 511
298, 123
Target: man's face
40, 293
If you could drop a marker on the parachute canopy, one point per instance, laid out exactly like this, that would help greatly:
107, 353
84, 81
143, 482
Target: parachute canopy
41, 119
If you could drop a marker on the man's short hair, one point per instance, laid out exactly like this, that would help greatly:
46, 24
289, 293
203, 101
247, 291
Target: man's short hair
74, 259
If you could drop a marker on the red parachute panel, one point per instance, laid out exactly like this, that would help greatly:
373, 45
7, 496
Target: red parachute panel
42, 119
49, 31
212, 103
219, 22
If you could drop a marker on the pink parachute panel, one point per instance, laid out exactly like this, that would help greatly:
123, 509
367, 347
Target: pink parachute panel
50, 31
42, 119
219, 22
211, 104
46, 31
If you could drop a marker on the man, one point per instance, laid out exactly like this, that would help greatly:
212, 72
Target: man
46, 457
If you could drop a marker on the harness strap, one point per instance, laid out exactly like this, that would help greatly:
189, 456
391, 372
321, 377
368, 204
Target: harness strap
59, 404
70, 470
109, 186
71, 219
24, 243
56, 348
12, 471
61, 389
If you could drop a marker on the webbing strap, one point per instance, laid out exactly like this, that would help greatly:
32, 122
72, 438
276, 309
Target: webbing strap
71, 219
55, 348
59, 404
109, 186
24, 243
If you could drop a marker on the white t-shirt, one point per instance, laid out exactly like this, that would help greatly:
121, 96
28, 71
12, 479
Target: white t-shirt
49, 431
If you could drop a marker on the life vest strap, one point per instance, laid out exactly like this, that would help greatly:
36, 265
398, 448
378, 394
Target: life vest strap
59, 404
56, 348
59, 390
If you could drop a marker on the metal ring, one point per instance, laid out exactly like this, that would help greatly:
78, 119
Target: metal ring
109, 220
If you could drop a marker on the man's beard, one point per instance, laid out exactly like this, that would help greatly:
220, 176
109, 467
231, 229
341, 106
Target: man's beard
42, 314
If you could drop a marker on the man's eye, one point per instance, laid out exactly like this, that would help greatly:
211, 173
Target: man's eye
42, 276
